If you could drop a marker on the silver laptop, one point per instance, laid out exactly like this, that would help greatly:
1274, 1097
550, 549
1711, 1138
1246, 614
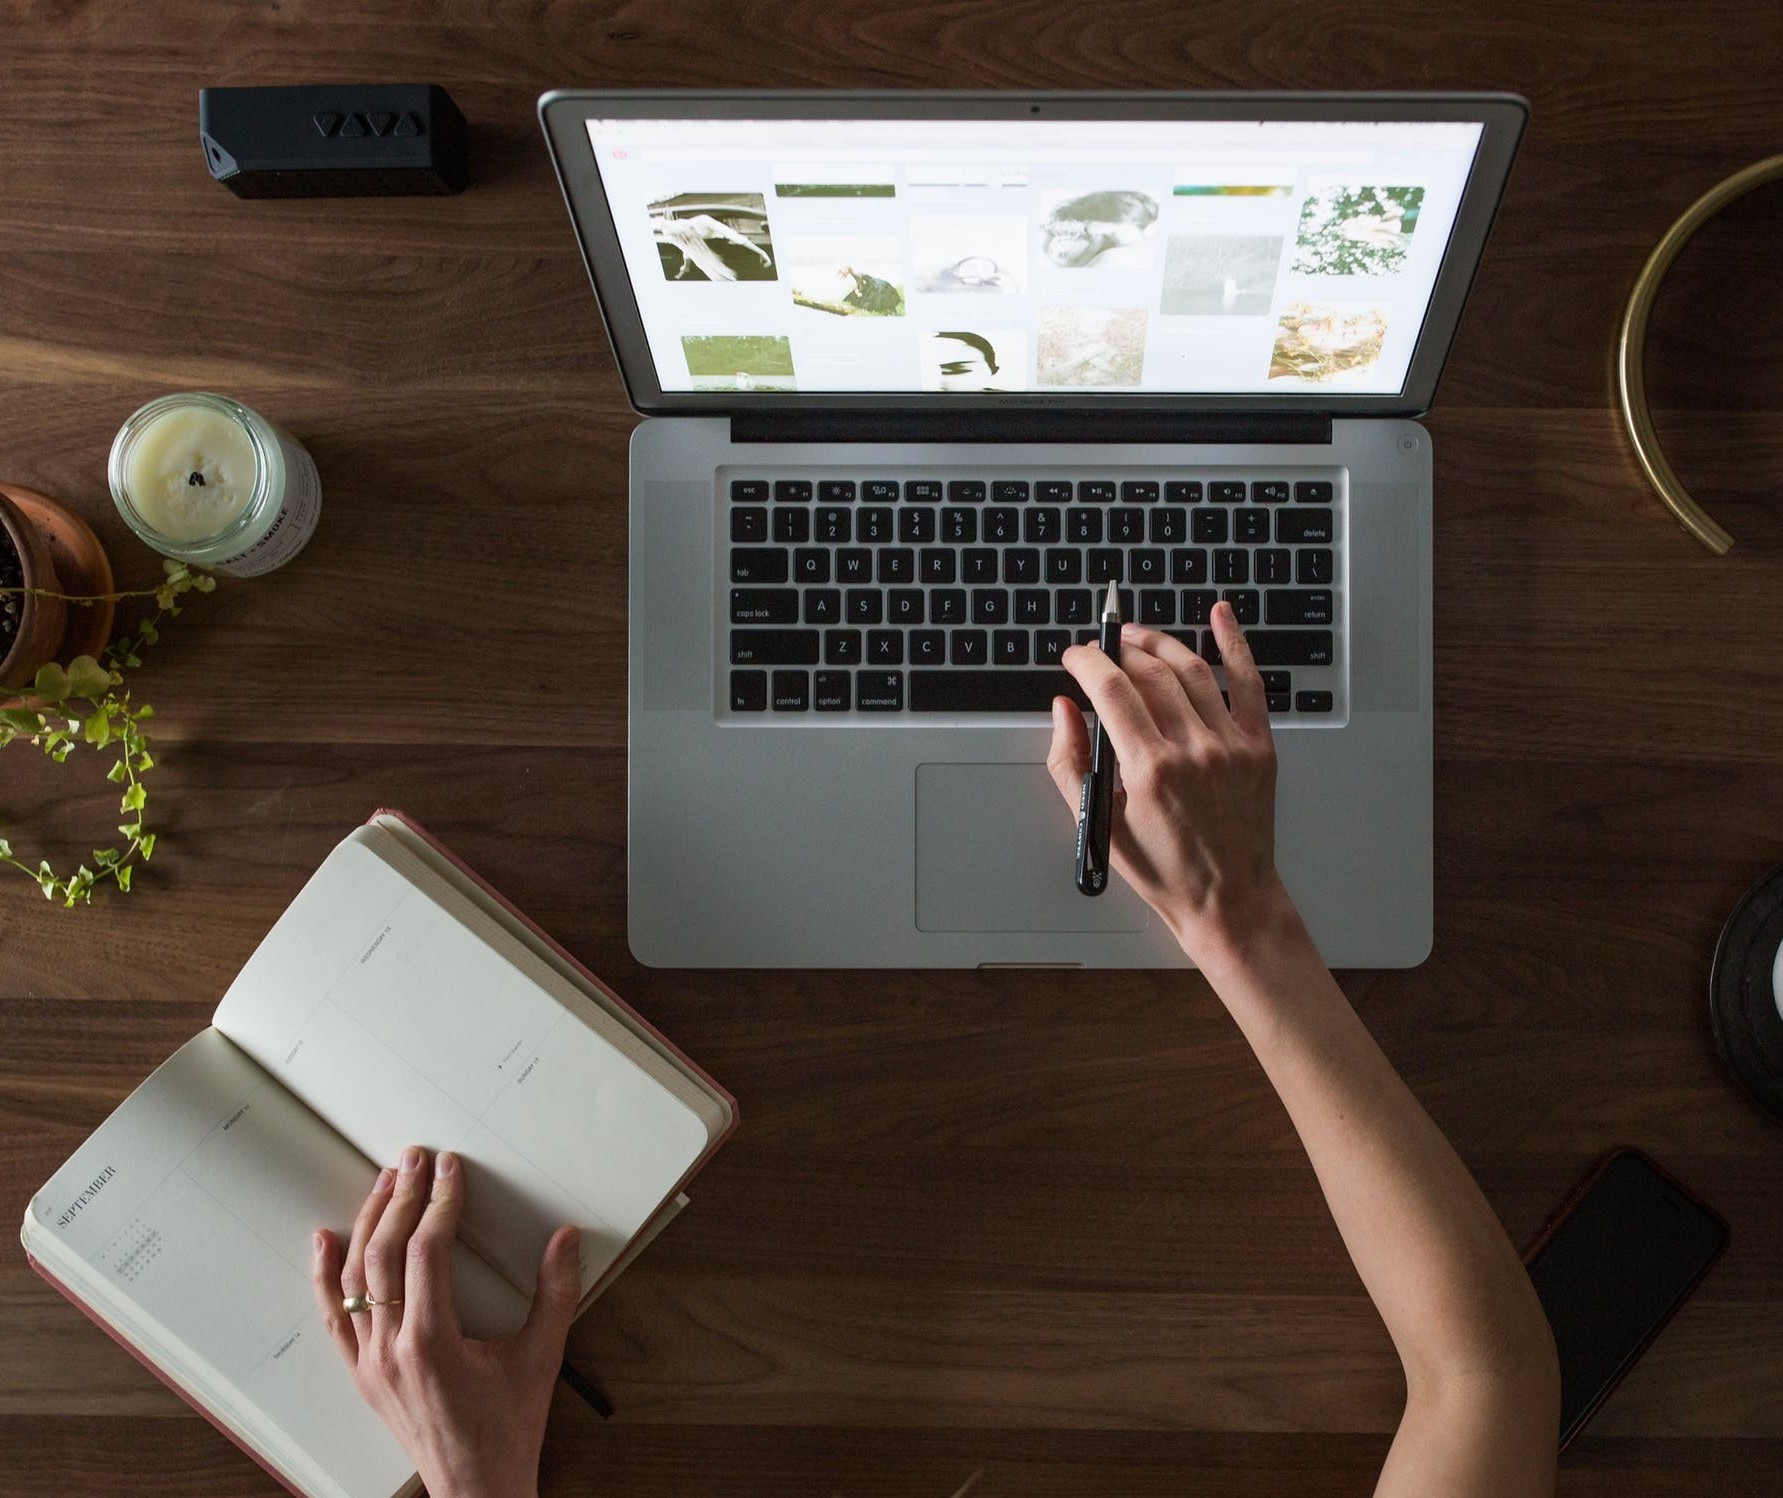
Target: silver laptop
922, 373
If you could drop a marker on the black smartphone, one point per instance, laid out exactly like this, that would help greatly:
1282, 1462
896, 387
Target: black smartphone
1618, 1259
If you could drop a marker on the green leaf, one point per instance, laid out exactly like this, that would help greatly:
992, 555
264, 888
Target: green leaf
171, 567
134, 798
62, 750
148, 847
130, 829
133, 659
144, 762
145, 711
116, 773
106, 857
5, 848
148, 634
86, 678
124, 872
98, 731
204, 582
21, 718
51, 683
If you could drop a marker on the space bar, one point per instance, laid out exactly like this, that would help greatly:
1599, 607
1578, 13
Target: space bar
991, 691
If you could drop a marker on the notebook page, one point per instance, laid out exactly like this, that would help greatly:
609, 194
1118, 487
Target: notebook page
400, 1025
186, 1219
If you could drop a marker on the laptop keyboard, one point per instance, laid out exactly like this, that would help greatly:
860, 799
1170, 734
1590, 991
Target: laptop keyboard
957, 595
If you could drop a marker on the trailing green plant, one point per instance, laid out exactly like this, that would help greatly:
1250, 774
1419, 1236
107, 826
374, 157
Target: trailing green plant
86, 702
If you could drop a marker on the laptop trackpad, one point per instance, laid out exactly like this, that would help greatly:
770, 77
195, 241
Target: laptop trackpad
994, 847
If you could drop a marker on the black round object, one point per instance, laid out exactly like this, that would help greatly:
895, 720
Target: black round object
1743, 993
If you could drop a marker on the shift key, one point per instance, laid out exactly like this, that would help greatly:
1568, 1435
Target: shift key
776, 647
1289, 647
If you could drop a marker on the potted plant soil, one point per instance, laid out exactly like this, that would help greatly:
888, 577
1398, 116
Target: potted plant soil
31, 626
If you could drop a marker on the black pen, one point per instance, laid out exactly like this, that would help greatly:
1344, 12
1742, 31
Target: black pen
1095, 803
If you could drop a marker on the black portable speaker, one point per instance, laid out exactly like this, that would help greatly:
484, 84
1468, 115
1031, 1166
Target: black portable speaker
333, 140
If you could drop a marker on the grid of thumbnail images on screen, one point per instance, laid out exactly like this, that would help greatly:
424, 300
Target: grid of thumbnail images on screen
1287, 284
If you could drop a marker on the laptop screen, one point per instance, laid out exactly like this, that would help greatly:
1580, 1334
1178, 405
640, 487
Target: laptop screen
933, 256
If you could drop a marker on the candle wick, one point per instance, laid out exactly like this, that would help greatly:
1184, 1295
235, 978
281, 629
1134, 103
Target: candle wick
194, 478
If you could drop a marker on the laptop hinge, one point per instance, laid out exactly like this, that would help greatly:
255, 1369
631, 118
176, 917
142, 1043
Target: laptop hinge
1032, 426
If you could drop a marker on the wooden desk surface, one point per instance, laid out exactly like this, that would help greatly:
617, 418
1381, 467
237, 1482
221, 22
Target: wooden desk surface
1036, 1234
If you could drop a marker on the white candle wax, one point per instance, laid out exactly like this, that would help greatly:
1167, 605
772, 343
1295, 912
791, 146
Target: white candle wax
191, 472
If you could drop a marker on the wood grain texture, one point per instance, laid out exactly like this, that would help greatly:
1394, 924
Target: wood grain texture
991, 1229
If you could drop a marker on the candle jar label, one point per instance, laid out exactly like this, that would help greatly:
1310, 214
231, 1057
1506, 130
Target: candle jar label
292, 528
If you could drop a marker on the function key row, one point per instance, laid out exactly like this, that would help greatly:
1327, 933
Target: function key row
1038, 525
1019, 491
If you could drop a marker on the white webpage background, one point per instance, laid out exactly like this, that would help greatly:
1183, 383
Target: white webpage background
1013, 169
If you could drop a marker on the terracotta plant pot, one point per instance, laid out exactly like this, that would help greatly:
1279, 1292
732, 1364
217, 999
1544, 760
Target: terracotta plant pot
41, 621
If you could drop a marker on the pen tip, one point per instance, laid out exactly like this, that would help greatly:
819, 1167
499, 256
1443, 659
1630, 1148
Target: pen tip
1111, 606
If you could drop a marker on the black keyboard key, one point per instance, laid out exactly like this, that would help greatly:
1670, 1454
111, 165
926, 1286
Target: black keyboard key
834, 527
1312, 566
791, 692
879, 691
773, 647
1042, 527
991, 691
990, 606
764, 605
1050, 646
1274, 565
854, 566
1226, 492
1312, 702
1088, 637
1106, 565
1303, 527
1021, 565
1182, 492
903, 606
1096, 492
1291, 647
1208, 527
1010, 491
1188, 566
959, 526
1244, 603
1139, 492
1009, 647
916, 527
936, 565
1083, 527
947, 606
1298, 606
792, 527
864, 606
749, 525
792, 491
1250, 526
1231, 566
1157, 606
1126, 527
1275, 681
1186, 637
1073, 606
1064, 565
969, 647
1146, 567
1053, 491
964, 492
897, 565
874, 524
749, 691
749, 491
1316, 492
1033, 606
831, 695
835, 492
880, 491
1270, 492
1197, 605
759, 564
922, 492
885, 647
1169, 527
928, 647
1002, 525
1277, 702
811, 565
823, 605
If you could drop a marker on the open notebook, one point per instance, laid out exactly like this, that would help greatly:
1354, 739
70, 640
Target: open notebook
398, 1000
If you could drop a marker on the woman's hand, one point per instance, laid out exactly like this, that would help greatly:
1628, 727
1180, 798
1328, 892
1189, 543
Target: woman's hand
471, 1414
1194, 821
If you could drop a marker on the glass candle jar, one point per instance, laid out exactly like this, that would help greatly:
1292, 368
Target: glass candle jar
203, 479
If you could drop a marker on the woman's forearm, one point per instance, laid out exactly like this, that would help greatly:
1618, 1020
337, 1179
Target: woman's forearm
1431, 1253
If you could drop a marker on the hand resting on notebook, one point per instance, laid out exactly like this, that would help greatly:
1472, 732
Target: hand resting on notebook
1194, 834
471, 1414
